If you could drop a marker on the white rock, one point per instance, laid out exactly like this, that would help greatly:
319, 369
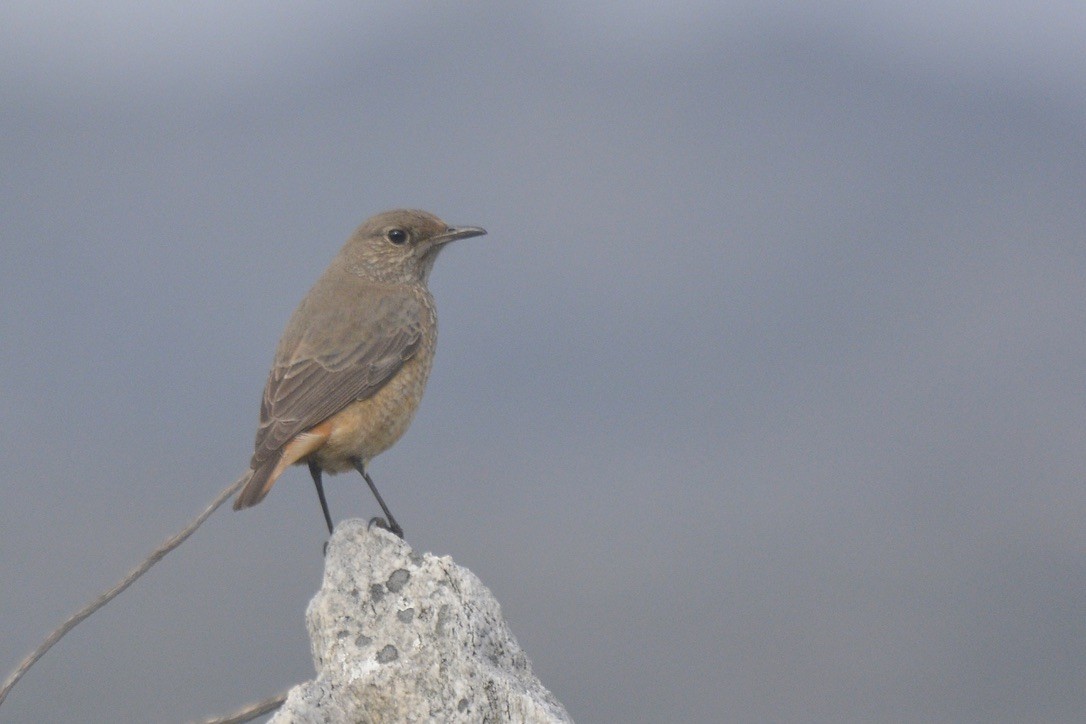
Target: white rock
399, 637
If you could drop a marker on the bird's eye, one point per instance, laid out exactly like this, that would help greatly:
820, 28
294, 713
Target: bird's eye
397, 236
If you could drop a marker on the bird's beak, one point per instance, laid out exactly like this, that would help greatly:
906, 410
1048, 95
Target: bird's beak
457, 232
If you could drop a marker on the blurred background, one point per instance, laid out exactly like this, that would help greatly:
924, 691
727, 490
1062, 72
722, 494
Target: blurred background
763, 399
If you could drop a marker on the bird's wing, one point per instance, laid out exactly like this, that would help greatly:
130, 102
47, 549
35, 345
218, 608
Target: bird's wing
333, 352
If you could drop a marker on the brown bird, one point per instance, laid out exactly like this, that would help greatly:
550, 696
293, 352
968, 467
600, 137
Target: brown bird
352, 364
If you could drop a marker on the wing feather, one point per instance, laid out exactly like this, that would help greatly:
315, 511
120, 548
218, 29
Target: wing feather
333, 353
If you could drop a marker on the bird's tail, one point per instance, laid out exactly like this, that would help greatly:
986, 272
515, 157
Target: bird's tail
264, 475
257, 486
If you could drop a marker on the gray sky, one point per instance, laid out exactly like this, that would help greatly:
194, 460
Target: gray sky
763, 400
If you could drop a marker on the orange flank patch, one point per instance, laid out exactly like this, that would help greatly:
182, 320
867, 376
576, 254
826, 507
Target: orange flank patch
303, 445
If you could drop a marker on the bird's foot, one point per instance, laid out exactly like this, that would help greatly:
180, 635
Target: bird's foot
393, 528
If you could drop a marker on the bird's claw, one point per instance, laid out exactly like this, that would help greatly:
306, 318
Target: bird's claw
394, 528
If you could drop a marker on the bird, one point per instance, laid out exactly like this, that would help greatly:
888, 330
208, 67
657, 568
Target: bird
351, 366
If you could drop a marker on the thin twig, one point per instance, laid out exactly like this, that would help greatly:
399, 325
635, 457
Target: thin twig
127, 581
250, 712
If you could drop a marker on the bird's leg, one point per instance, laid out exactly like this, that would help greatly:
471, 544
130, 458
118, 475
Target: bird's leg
315, 471
393, 526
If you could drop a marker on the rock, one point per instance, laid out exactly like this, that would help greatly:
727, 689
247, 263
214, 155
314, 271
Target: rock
403, 637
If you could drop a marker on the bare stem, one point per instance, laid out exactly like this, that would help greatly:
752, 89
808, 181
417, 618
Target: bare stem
112, 593
250, 712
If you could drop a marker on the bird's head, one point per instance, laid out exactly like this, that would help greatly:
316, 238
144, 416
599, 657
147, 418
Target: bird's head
400, 246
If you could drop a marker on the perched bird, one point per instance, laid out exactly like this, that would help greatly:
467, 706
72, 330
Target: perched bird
352, 364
